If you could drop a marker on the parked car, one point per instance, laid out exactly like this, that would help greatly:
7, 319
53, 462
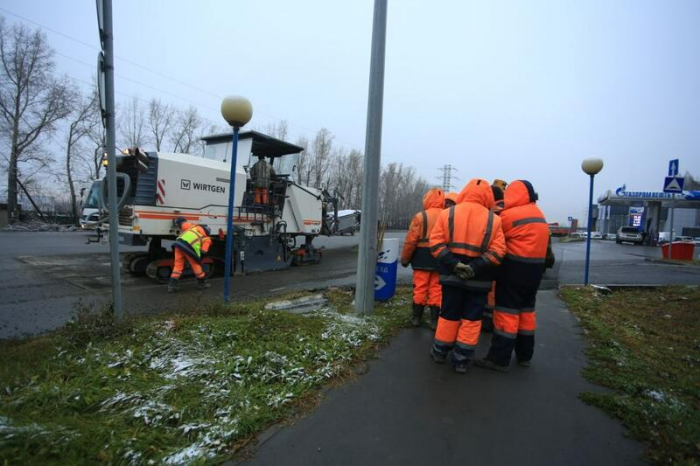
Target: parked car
684, 239
630, 235
596, 235
696, 241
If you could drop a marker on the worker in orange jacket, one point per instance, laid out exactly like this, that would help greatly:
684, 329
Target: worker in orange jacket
487, 321
192, 244
527, 235
468, 243
451, 199
426, 282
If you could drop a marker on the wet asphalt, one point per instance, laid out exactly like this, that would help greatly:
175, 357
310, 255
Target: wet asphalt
44, 276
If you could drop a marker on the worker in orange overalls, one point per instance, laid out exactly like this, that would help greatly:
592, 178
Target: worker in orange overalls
426, 283
497, 187
261, 173
527, 235
191, 245
468, 243
451, 199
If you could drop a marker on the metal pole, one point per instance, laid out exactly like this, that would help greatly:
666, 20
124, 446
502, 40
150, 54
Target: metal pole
229, 223
111, 160
588, 237
670, 239
366, 264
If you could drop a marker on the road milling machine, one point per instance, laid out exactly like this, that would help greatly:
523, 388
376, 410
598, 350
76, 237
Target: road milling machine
156, 187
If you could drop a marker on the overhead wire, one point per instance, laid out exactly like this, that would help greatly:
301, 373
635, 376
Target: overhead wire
171, 78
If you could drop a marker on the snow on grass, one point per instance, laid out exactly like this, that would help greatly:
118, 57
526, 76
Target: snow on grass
199, 384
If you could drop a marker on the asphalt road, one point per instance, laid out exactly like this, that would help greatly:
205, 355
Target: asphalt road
45, 275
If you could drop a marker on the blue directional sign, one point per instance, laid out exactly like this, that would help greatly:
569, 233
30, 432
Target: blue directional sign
673, 168
673, 184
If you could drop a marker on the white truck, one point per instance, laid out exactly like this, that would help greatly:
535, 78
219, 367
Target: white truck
156, 187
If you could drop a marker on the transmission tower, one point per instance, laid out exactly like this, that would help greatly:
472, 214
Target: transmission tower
447, 177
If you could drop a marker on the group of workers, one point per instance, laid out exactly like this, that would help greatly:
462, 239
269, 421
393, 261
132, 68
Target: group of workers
476, 256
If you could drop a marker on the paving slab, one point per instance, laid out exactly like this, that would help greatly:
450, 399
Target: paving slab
408, 410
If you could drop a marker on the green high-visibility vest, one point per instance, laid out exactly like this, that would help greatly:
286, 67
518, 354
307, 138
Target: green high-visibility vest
194, 239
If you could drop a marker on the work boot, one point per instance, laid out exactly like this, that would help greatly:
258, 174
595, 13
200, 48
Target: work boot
173, 285
202, 284
488, 364
461, 367
417, 314
434, 314
437, 357
523, 363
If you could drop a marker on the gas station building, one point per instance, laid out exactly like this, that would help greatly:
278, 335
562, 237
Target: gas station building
649, 211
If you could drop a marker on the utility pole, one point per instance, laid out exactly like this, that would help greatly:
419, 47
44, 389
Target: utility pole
447, 177
367, 257
104, 18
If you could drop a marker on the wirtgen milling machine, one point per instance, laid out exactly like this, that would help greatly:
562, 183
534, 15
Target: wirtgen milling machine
156, 187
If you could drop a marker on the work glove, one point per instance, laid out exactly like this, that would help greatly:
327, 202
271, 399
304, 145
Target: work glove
463, 271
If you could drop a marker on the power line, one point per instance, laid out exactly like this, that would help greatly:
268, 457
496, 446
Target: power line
163, 75
171, 78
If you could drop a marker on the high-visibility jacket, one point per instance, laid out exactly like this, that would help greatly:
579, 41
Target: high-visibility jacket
469, 233
527, 236
415, 248
193, 241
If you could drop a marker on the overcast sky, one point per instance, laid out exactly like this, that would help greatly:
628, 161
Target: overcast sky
501, 89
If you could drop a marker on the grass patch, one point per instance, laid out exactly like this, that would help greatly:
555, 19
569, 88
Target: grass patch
645, 347
189, 388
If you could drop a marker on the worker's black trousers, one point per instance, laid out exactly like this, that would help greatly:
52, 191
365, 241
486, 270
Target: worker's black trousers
514, 324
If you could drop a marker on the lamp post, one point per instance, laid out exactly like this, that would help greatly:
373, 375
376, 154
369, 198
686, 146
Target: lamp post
591, 167
237, 111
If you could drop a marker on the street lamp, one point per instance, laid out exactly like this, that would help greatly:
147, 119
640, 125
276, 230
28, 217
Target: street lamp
237, 111
591, 167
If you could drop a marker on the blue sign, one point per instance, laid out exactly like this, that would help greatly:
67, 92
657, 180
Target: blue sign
571, 218
673, 184
673, 168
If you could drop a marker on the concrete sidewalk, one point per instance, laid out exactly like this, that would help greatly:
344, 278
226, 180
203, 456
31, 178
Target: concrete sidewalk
408, 410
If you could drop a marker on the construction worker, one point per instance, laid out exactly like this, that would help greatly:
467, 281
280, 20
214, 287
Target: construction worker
527, 234
468, 243
451, 199
426, 282
191, 245
261, 173
487, 319
501, 186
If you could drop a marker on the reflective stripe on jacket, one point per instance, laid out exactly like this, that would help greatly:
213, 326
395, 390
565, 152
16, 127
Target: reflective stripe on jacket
416, 246
527, 237
469, 233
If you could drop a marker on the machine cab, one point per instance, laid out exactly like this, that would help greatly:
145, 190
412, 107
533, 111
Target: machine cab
283, 156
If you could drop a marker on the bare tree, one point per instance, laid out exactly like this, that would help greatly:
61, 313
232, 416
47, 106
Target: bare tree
185, 131
322, 146
277, 130
81, 125
32, 101
304, 167
132, 125
161, 118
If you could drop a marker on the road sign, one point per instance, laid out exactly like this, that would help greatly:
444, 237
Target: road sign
673, 168
571, 218
673, 184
